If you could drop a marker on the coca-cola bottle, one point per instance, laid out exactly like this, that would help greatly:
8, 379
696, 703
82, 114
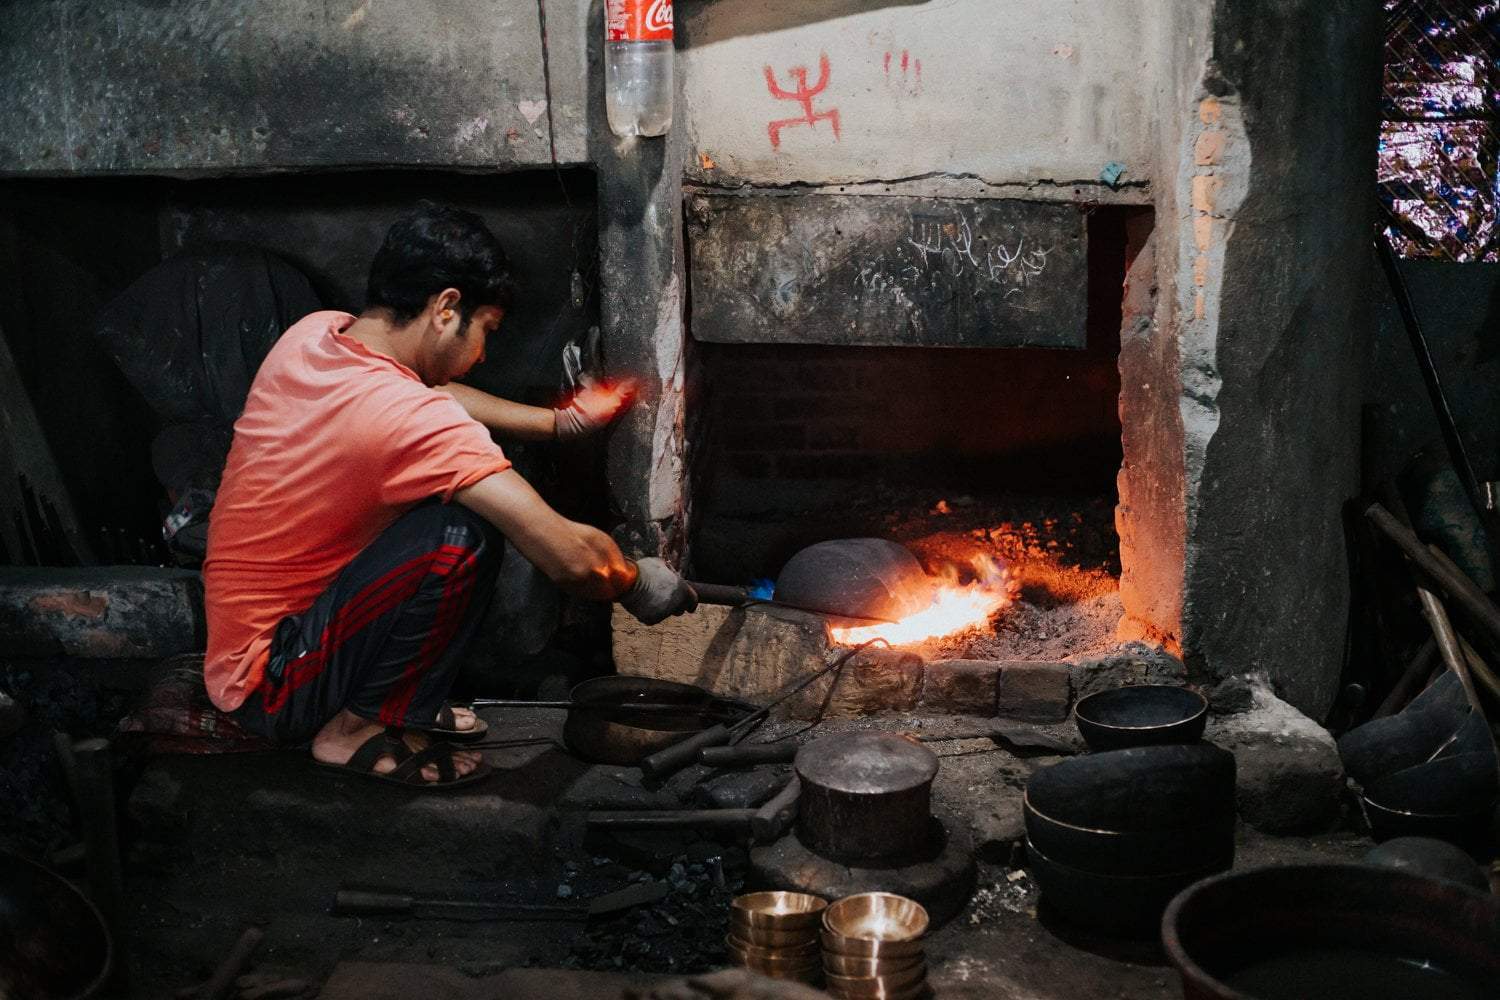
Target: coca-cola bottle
638, 66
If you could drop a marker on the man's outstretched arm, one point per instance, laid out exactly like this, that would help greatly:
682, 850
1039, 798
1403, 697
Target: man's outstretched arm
580, 559
590, 409
504, 416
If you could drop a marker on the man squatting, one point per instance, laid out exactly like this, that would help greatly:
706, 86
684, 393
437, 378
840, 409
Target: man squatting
357, 533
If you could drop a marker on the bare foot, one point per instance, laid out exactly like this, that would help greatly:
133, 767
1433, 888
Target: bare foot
346, 732
463, 718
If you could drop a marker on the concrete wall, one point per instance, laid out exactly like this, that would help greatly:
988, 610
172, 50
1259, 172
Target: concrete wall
1458, 306
1039, 93
1274, 212
220, 85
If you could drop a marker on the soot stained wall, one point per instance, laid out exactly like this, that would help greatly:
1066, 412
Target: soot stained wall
68, 246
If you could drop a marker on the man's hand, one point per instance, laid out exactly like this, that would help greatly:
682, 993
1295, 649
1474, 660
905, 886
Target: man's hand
658, 593
593, 407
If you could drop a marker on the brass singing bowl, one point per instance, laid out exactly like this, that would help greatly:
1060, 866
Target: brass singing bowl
762, 938
866, 968
878, 986
778, 911
837, 944
876, 916
914, 992
768, 958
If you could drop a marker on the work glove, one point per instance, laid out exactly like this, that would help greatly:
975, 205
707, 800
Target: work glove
658, 593
592, 402
591, 408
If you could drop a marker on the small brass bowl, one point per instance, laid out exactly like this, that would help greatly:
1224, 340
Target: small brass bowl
762, 937
837, 944
865, 968
876, 916
772, 957
778, 911
915, 992
878, 986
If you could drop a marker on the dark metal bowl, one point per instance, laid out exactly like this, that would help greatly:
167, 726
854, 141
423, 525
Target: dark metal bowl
1431, 858
1141, 715
1331, 931
1124, 905
1138, 790
53, 943
1208, 844
1451, 798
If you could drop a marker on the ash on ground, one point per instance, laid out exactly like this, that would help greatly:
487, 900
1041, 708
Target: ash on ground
1011, 892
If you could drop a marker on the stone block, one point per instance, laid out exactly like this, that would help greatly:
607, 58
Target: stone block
961, 687
101, 612
1288, 774
1131, 663
673, 650
874, 680
1036, 691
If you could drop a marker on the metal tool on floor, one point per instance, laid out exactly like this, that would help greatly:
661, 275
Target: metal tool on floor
358, 902
762, 825
679, 755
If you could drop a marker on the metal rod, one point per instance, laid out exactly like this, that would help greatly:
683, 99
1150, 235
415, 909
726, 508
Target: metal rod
1441, 570
91, 771
1457, 453
1453, 654
655, 708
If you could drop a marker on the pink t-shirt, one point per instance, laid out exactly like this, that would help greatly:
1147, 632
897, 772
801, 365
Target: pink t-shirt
336, 442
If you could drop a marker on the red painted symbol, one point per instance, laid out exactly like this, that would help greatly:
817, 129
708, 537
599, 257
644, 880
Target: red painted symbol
911, 70
803, 94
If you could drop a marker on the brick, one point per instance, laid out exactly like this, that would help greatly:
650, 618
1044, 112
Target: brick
1209, 149
961, 687
1033, 691
674, 650
874, 680
101, 612
1206, 192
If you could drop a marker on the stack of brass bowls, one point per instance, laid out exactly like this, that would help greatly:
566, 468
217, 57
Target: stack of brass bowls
776, 934
872, 947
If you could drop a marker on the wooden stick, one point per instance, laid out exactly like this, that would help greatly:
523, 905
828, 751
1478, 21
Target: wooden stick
1441, 570
1482, 671
1453, 654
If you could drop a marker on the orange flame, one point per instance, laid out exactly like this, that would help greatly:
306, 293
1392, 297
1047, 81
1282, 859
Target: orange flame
955, 606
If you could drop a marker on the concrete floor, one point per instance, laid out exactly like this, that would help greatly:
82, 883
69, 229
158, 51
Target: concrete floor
220, 843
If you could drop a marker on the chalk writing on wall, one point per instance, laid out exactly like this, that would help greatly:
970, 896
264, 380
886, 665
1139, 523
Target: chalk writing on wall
802, 94
948, 254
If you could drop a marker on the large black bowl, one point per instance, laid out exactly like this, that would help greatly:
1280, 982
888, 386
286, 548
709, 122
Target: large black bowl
1141, 715
1451, 798
1138, 790
1204, 845
53, 943
1123, 905
1333, 932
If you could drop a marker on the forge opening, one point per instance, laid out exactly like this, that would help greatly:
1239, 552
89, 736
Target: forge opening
961, 454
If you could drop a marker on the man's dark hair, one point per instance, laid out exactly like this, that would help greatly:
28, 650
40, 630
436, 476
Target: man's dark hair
433, 248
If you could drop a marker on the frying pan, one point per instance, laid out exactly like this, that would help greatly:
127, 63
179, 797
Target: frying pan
869, 579
601, 726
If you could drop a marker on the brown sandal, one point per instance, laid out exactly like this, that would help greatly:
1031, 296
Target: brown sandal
447, 728
409, 763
